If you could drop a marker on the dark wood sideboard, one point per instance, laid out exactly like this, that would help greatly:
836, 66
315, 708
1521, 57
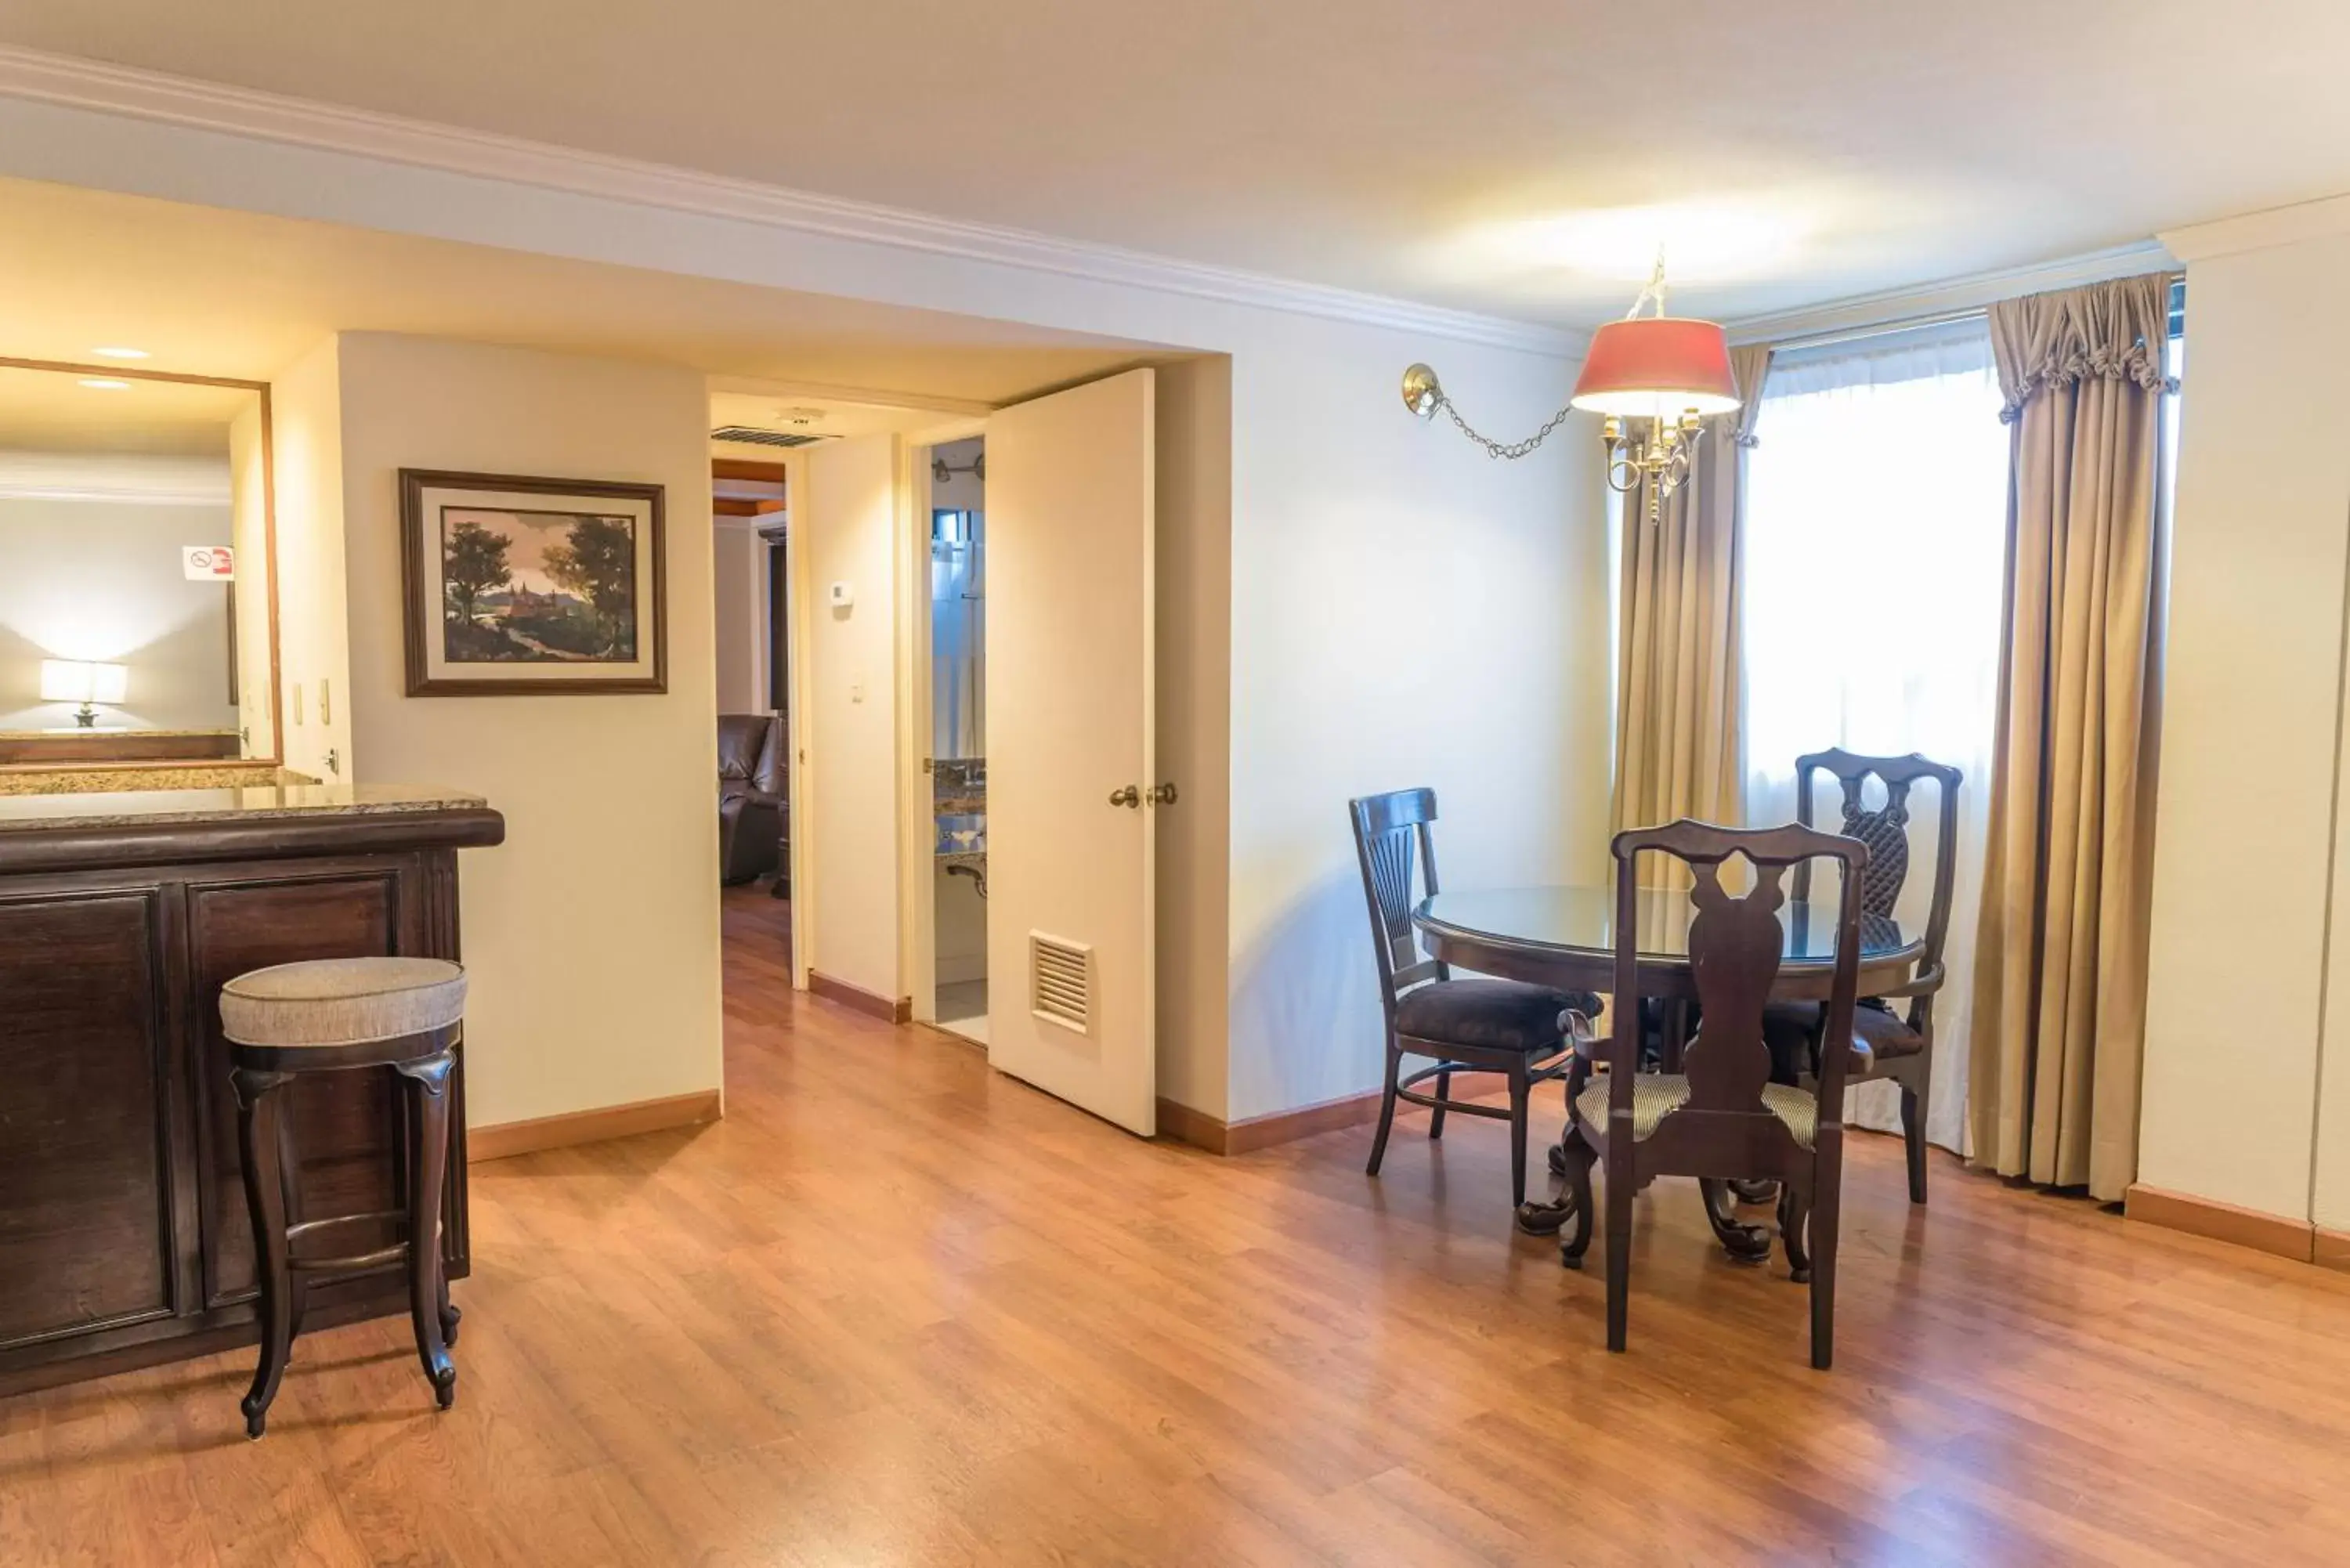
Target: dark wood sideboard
123, 1236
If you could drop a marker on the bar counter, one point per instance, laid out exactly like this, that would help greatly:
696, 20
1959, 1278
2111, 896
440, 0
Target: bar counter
123, 1237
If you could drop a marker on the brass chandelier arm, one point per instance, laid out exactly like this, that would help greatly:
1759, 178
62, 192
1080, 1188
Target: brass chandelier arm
1424, 396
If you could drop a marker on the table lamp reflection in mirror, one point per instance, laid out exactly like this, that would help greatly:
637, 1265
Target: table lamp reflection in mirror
85, 682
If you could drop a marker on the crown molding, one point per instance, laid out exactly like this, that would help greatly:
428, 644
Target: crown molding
1952, 296
94, 86
2260, 230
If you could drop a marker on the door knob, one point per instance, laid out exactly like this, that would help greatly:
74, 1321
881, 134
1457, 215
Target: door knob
1159, 794
1128, 797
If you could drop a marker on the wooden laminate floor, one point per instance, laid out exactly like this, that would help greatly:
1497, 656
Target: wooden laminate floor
894, 1309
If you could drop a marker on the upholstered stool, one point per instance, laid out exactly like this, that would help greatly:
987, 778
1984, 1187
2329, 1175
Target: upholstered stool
335, 1015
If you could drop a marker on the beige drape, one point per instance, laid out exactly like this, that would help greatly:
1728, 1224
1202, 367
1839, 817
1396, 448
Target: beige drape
2060, 970
1677, 664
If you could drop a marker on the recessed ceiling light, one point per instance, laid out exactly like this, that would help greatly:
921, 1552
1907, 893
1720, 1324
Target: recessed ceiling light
103, 384
120, 353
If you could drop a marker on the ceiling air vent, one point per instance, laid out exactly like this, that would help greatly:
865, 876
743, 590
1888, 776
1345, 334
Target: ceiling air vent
1061, 981
757, 437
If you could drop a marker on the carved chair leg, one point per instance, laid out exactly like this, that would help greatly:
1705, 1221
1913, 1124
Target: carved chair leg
1518, 1090
259, 1106
429, 1084
1443, 1094
1580, 1158
1745, 1243
1386, 1111
1620, 1182
1914, 1101
1822, 1233
1794, 1213
1578, 1073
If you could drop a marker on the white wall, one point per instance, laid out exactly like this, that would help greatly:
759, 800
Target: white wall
250, 482
313, 624
2245, 1001
592, 933
102, 580
843, 530
1405, 611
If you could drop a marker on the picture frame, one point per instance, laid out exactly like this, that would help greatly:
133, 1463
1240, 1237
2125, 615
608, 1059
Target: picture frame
514, 585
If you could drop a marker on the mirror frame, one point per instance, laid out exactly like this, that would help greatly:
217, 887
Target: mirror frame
277, 757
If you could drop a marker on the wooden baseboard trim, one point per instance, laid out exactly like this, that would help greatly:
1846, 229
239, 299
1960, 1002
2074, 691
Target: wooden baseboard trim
2331, 1249
2272, 1233
858, 998
598, 1125
1250, 1134
1184, 1125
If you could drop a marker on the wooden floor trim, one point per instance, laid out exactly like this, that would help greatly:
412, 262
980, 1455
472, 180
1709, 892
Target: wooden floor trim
1250, 1134
590, 1127
869, 1003
1184, 1125
2331, 1249
2272, 1233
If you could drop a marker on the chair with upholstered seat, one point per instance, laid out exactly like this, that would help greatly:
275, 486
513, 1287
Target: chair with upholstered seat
344, 1015
1895, 1046
1461, 1026
1721, 1119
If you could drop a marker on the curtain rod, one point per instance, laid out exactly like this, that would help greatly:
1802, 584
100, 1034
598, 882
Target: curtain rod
1829, 337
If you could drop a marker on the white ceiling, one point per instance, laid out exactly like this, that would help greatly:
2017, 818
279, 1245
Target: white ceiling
222, 293
1520, 156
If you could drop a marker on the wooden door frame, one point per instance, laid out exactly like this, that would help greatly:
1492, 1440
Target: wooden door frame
917, 821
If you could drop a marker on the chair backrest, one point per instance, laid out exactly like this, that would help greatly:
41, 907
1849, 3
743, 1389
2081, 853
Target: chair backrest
1886, 831
1735, 946
1393, 832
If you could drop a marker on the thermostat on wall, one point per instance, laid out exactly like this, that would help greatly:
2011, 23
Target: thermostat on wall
843, 595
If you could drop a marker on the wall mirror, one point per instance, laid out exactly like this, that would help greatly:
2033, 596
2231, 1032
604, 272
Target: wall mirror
138, 606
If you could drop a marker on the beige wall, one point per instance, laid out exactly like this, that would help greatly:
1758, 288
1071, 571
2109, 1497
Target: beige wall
2242, 1012
313, 629
844, 521
592, 933
1194, 400
738, 588
1404, 610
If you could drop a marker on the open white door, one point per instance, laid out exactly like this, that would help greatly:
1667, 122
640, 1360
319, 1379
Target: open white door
1072, 784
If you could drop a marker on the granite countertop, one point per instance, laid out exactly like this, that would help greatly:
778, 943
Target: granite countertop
22, 813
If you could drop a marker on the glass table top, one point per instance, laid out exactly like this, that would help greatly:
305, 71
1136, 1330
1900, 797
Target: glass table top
1582, 920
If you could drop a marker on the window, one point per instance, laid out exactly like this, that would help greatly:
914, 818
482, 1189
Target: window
1872, 605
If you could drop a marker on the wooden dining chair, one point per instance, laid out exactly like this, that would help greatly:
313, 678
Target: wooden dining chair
1722, 1118
1895, 1044
1461, 1026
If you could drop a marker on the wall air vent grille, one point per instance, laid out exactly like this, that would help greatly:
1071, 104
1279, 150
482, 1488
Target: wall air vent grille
757, 437
1061, 981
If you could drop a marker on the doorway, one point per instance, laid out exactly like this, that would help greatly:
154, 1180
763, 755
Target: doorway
958, 734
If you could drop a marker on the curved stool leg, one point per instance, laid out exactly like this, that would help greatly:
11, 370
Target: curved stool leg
426, 1284
259, 1110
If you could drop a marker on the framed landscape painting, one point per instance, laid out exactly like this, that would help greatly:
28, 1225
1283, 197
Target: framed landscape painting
531, 587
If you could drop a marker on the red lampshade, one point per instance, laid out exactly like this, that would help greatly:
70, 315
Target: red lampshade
1654, 367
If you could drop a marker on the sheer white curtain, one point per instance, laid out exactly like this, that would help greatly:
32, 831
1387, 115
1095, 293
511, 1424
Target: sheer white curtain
1876, 539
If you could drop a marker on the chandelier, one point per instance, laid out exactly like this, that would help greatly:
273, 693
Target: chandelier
1666, 372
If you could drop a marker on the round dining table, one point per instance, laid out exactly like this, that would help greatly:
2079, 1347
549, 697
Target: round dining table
1565, 937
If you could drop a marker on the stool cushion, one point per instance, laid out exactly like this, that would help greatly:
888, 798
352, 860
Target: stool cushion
342, 1002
